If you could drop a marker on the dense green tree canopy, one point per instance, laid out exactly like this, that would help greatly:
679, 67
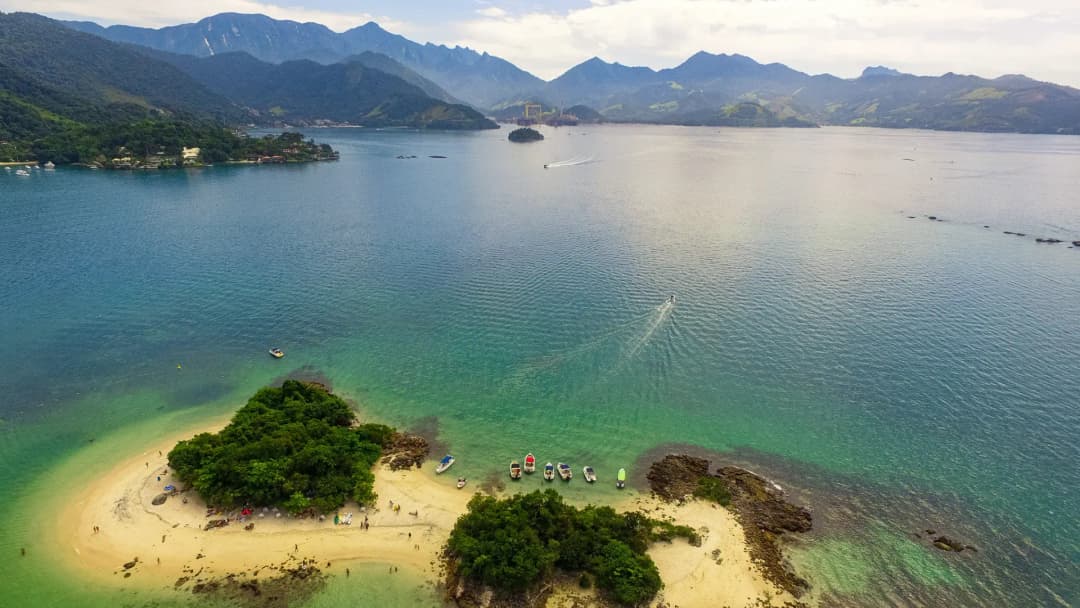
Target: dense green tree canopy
514, 543
524, 134
295, 446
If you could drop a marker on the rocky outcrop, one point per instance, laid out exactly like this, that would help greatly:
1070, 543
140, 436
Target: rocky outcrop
758, 504
291, 586
468, 594
676, 476
945, 543
405, 451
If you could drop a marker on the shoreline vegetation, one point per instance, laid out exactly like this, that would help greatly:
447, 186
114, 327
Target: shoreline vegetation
155, 144
140, 526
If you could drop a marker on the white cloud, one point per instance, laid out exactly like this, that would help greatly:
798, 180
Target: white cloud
159, 14
492, 12
989, 37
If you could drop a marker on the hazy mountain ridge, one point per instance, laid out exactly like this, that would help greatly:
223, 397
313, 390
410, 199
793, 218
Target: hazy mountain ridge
477, 78
303, 91
705, 89
879, 97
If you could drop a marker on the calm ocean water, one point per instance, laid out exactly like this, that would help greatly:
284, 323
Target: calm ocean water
896, 374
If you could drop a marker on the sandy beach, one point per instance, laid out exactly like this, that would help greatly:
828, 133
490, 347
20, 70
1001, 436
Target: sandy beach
111, 521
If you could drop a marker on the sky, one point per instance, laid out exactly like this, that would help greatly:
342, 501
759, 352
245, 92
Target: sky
1039, 38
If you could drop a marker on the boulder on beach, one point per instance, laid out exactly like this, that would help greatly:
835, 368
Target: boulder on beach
159, 499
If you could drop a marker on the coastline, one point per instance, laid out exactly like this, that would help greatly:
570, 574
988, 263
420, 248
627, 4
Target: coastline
171, 545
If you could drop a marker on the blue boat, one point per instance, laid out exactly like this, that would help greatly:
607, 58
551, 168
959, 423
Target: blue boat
445, 463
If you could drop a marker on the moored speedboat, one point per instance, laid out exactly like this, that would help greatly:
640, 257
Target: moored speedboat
565, 472
445, 463
549, 471
589, 474
277, 353
461, 481
620, 481
515, 470
22, 173
530, 463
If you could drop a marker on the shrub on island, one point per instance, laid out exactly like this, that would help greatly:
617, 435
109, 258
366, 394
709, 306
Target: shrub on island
297, 446
525, 134
512, 545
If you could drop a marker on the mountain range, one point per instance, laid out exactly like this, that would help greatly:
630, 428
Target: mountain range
53, 78
478, 78
239, 69
718, 89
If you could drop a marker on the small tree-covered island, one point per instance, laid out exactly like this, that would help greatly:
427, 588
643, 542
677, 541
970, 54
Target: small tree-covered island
298, 446
516, 545
524, 135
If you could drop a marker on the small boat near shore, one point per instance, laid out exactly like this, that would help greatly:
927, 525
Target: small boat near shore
589, 474
446, 462
549, 471
515, 470
565, 472
530, 464
277, 353
461, 481
620, 481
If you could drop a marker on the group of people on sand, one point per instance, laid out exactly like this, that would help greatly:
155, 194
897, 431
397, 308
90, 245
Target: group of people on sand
347, 521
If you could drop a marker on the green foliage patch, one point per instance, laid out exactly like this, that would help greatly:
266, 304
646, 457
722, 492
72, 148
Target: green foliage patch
294, 446
514, 543
524, 134
714, 489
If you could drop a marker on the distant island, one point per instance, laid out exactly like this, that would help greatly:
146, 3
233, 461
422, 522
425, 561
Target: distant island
525, 135
151, 144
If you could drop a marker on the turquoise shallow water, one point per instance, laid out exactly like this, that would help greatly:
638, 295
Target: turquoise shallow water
894, 373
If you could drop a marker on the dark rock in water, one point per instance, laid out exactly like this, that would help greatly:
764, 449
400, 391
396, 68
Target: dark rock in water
985, 226
436, 156
931, 217
931, 532
405, 451
676, 476
1048, 241
1076, 243
947, 544
911, 217
159, 499
131, 564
